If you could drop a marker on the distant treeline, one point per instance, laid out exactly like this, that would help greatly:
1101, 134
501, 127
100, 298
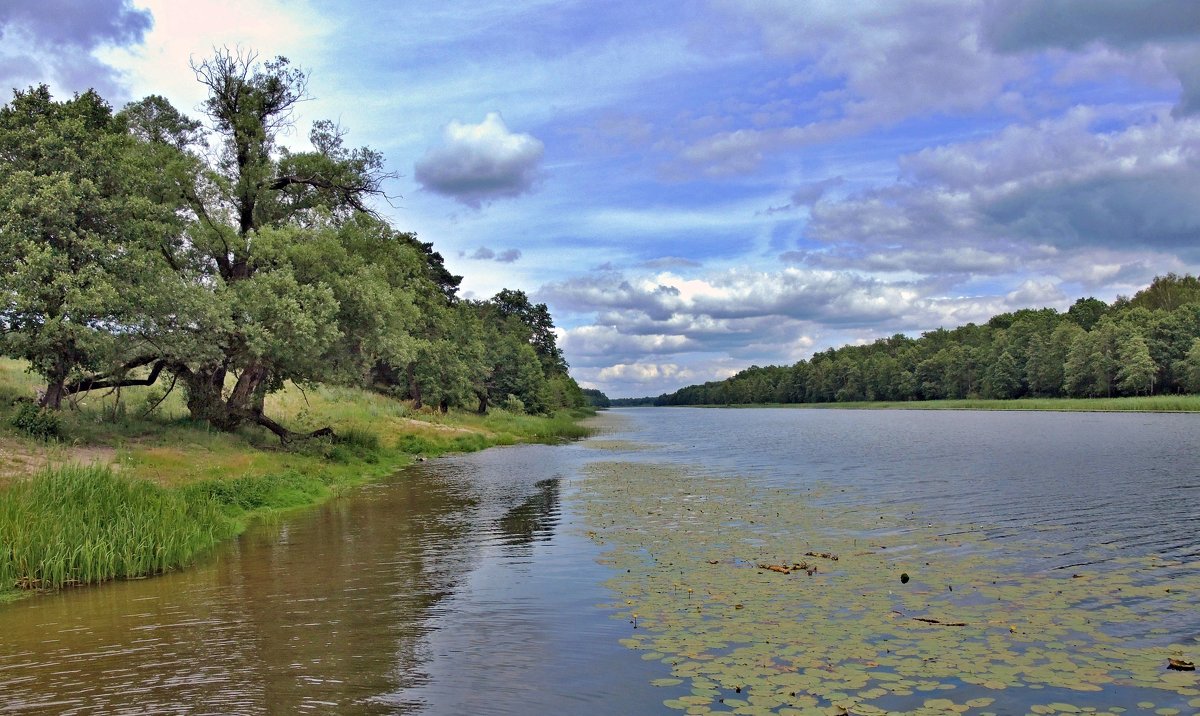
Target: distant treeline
595, 398
633, 402
1145, 345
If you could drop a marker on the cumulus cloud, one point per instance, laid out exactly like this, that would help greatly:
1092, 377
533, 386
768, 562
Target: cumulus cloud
483, 253
56, 41
478, 163
832, 297
641, 372
1057, 183
866, 64
602, 345
859, 65
1013, 25
653, 334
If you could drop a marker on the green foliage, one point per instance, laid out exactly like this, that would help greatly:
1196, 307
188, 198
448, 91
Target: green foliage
512, 404
1167, 293
1144, 346
81, 525
1137, 369
359, 438
37, 422
597, 399
1191, 367
135, 251
270, 492
81, 210
1002, 379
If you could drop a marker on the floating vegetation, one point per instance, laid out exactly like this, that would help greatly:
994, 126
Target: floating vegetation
617, 445
705, 568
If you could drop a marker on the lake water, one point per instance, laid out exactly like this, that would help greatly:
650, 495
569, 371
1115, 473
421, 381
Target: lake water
504, 581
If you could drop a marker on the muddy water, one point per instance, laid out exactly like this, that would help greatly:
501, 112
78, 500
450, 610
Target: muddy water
470, 584
457, 586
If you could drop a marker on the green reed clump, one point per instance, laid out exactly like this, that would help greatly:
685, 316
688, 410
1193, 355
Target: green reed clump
81, 525
263, 492
359, 439
563, 424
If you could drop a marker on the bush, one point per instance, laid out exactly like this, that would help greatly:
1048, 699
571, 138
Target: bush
36, 421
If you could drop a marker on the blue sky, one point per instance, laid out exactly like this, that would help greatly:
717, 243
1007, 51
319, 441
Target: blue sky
697, 186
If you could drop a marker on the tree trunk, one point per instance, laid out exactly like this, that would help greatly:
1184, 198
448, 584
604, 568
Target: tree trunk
52, 397
205, 399
414, 388
56, 386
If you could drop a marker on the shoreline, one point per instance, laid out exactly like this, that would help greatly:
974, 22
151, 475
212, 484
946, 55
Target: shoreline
1152, 404
53, 516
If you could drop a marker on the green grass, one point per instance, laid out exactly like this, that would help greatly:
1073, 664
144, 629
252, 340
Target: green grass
1143, 404
175, 488
82, 525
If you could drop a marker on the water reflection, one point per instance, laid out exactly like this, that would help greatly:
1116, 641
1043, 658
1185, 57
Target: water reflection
454, 585
535, 518
307, 614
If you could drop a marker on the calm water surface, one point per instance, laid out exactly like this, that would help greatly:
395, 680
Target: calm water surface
468, 585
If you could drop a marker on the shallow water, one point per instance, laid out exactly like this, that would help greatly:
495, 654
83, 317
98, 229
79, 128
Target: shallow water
470, 584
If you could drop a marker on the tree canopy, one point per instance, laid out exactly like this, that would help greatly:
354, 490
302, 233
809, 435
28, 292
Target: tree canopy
1146, 345
144, 243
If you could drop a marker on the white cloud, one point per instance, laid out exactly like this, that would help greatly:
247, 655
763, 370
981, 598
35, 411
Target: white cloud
184, 31
61, 43
478, 163
1057, 183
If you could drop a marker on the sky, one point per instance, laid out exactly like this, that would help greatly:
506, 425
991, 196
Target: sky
697, 186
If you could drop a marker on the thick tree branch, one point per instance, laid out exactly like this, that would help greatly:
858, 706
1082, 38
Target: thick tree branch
110, 380
351, 193
286, 436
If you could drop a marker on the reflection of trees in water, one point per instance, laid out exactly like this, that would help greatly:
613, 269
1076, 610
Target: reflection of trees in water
339, 603
533, 519
330, 609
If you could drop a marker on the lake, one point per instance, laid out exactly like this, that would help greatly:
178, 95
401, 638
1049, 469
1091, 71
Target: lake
682, 560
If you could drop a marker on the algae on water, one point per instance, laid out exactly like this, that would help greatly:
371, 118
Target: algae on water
972, 630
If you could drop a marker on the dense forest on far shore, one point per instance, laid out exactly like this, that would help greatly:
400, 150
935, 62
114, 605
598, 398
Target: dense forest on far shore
142, 247
1145, 345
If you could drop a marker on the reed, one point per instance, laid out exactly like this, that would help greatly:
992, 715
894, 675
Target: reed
82, 525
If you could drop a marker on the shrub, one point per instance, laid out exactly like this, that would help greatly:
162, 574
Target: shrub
37, 421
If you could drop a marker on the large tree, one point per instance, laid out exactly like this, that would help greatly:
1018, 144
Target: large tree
82, 206
261, 212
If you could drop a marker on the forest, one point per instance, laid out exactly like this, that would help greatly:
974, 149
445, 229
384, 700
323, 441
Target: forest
146, 247
1145, 345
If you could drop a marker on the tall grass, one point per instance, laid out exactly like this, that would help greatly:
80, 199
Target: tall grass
182, 487
81, 525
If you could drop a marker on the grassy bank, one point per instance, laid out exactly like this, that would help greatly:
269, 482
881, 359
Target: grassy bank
1140, 404
125, 485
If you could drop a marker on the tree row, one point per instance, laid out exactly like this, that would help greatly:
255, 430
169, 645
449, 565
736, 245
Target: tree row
1145, 345
142, 245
